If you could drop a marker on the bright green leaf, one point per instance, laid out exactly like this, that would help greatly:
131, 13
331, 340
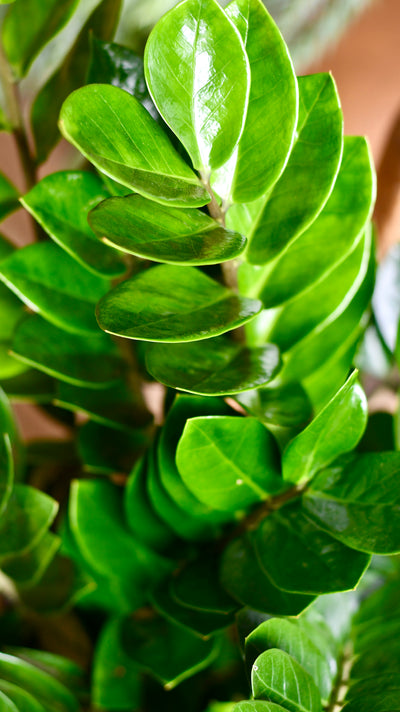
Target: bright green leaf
48, 691
113, 130
23, 701
277, 677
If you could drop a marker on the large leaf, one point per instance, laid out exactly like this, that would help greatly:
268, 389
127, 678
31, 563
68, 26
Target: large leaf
60, 203
28, 26
245, 579
113, 130
116, 678
301, 557
297, 198
27, 517
50, 282
156, 232
277, 677
218, 366
272, 111
336, 430
219, 466
46, 689
72, 74
359, 503
92, 362
168, 303
198, 75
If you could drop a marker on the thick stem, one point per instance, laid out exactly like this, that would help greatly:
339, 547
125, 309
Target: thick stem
339, 691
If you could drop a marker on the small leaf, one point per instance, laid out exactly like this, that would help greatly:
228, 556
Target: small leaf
302, 558
116, 678
60, 203
218, 366
286, 405
27, 568
156, 232
277, 677
358, 503
139, 155
272, 111
168, 303
28, 26
218, 467
335, 431
198, 75
50, 282
27, 517
8, 197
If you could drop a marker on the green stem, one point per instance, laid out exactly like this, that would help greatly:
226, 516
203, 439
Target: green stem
339, 691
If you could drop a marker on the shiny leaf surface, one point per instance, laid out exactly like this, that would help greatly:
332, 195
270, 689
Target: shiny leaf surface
277, 677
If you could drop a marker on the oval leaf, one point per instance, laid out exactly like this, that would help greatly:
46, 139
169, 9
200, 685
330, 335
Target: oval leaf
277, 677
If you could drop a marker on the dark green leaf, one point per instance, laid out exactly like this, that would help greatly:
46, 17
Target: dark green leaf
200, 91
277, 677
335, 431
221, 469
32, 386
23, 701
359, 504
287, 406
107, 451
196, 586
27, 568
156, 232
116, 679
297, 198
168, 303
92, 362
272, 111
51, 282
149, 645
113, 130
302, 558
72, 74
8, 197
28, 515
61, 203
28, 26
218, 366
114, 64
48, 691
245, 579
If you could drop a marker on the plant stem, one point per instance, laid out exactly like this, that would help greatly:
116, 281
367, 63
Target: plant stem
339, 691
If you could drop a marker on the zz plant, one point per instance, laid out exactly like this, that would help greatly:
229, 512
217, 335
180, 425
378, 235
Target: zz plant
216, 241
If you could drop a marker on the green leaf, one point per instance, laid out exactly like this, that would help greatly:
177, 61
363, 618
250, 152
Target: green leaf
272, 111
62, 669
8, 197
302, 558
111, 63
6, 704
286, 406
28, 516
107, 451
197, 587
116, 679
31, 386
297, 198
198, 75
50, 282
6, 471
60, 203
23, 701
128, 145
277, 677
12, 311
288, 635
221, 470
149, 645
102, 22
218, 366
256, 706
168, 303
49, 692
27, 568
28, 26
335, 431
156, 232
244, 578
358, 504
92, 362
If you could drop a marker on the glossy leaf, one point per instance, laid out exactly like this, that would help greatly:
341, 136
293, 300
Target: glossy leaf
218, 467
302, 558
72, 74
28, 26
156, 232
167, 303
108, 451
26, 519
358, 503
50, 282
48, 691
8, 197
149, 644
286, 406
60, 203
116, 678
244, 578
256, 706
91, 362
277, 677
335, 431
202, 94
139, 155
272, 111
297, 198
218, 366
287, 635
